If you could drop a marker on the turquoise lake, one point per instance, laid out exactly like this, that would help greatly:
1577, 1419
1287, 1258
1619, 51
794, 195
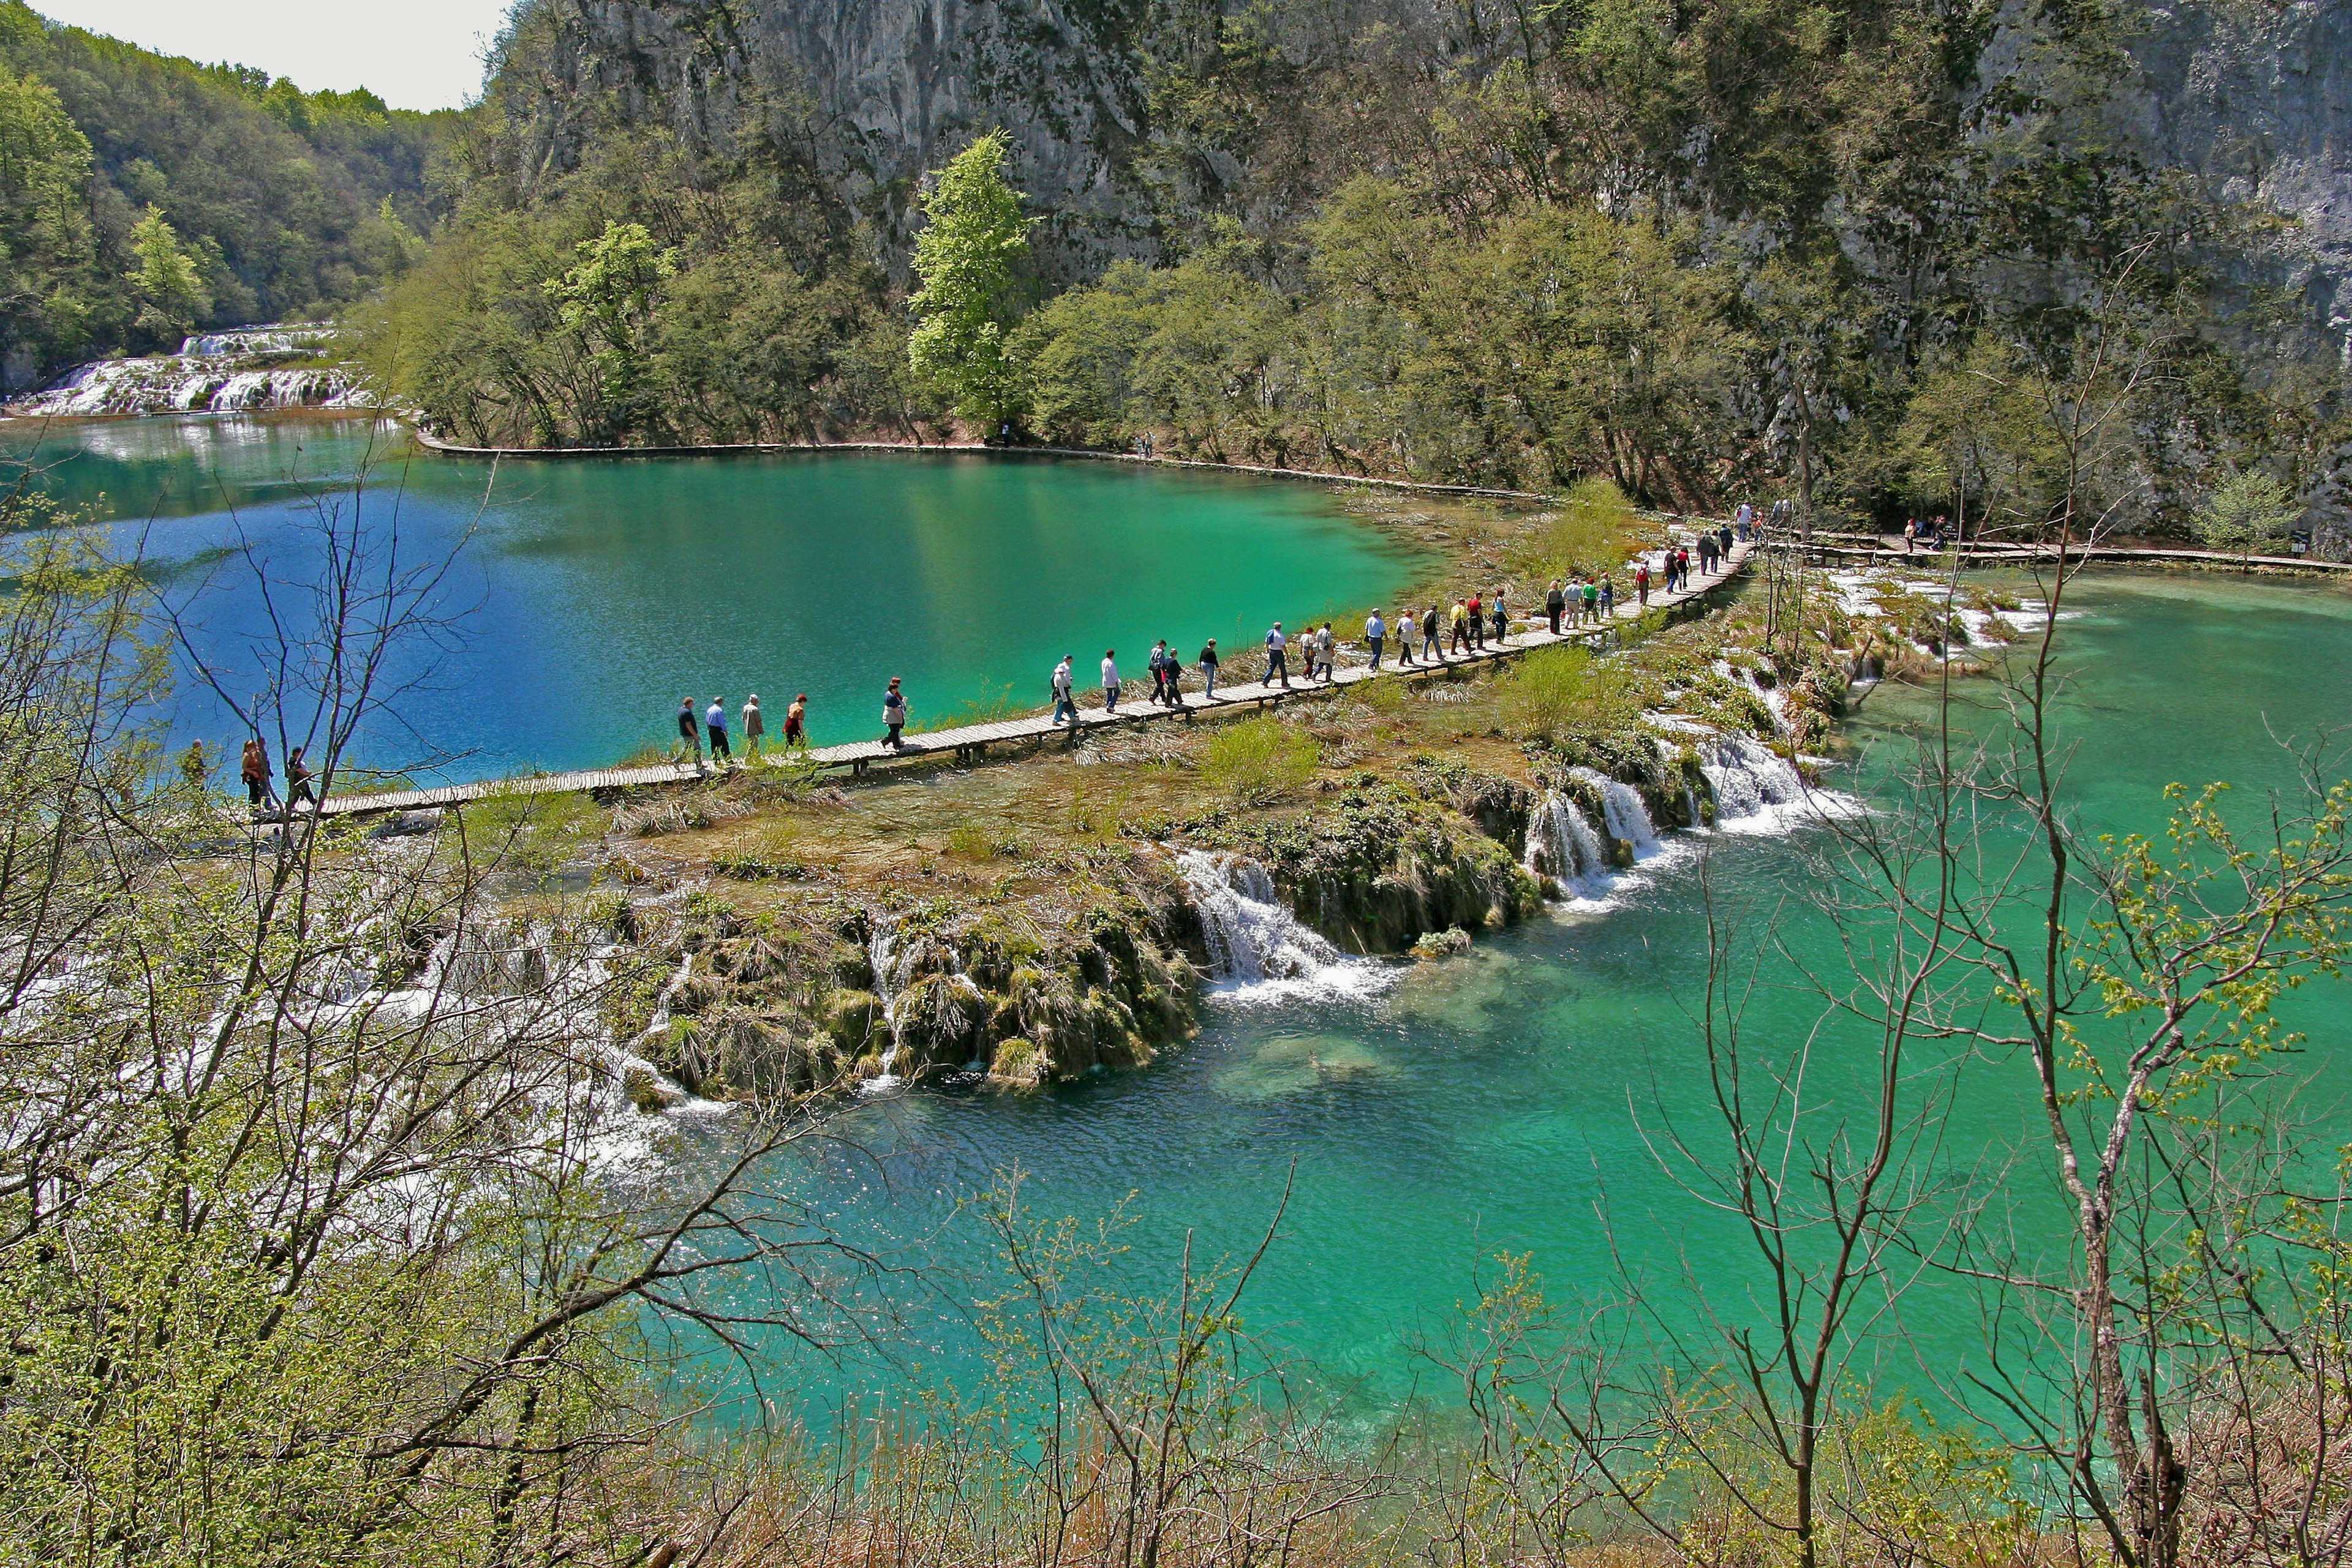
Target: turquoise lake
1513, 1100
584, 597
1509, 1099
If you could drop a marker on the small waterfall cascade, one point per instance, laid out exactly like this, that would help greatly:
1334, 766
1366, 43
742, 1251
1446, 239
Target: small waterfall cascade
1623, 811
1747, 778
1562, 845
1252, 934
889, 961
218, 372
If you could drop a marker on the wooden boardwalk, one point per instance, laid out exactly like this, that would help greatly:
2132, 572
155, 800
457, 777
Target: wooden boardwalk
970, 743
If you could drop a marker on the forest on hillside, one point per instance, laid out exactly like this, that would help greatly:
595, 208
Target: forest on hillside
1834, 250
142, 196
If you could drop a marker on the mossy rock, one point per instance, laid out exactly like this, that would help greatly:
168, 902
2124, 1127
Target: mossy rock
853, 1019
939, 1021
1018, 1064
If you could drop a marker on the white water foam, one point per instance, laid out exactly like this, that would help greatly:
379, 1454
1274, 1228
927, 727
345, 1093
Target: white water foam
1759, 790
205, 377
1258, 951
1623, 811
1562, 847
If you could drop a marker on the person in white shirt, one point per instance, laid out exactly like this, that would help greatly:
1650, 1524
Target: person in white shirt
1110, 681
1065, 705
1277, 660
1376, 633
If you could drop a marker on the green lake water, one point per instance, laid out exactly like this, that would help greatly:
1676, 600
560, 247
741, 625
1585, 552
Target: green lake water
1508, 1099
584, 597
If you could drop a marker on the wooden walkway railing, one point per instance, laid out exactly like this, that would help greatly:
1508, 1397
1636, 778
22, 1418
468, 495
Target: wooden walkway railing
970, 743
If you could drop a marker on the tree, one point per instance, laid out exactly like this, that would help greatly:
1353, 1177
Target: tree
45, 235
169, 289
968, 256
607, 301
2246, 510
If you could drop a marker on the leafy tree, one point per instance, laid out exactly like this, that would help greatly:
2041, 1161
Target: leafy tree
46, 244
607, 300
2245, 510
968, 256
166, 284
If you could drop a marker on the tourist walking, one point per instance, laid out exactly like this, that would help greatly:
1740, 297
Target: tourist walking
298, 783
253, 767
1746, 515
1592, 600
1641, 583
689, 732
1459, 620
1278, 661
1110, 680
1432, 636
1682, 567
1408, 623
1476, 609
1608, 600
796, 721
755, 728
715, 721
1208, 662
1171, 669
894, 715
1323, 650
1502, 620
1555, 600
1157, 665
1376, 636
1723, 543
1066, 703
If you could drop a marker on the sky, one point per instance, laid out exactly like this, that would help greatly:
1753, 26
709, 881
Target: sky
419, 54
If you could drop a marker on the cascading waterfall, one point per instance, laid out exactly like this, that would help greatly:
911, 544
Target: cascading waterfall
1253, 939
1747, 778
1623, 811
884, 955
211, 375
1562, 845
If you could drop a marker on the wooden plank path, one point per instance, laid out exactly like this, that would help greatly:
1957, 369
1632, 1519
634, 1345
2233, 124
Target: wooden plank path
970, 742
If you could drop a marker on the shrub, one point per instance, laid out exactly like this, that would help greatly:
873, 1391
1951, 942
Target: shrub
1259, 760
1595, 531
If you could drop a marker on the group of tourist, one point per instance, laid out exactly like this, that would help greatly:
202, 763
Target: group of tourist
691, 736
260, 786
1428, 636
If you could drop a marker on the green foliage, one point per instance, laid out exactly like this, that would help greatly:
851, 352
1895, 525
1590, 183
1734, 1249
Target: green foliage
968, 257
1259, 760
606, 302
750, 313
165, 286
276, 198
46, 245
2246, 512
1595, 534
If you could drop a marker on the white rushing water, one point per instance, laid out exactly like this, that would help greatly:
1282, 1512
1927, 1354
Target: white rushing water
1562, 845
210, 374
1257, 948
1759, 790
882, 953
1623, 811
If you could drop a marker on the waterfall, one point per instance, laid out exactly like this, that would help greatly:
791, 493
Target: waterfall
214, 373
1623, 811
1749, 779
1257, 946
1562, 845
888, 963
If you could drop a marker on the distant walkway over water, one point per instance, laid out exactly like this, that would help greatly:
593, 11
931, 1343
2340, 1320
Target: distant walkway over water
970, 743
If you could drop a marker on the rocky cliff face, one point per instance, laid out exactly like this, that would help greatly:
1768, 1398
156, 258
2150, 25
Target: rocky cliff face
2257, 101
887, 89
2254, 98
